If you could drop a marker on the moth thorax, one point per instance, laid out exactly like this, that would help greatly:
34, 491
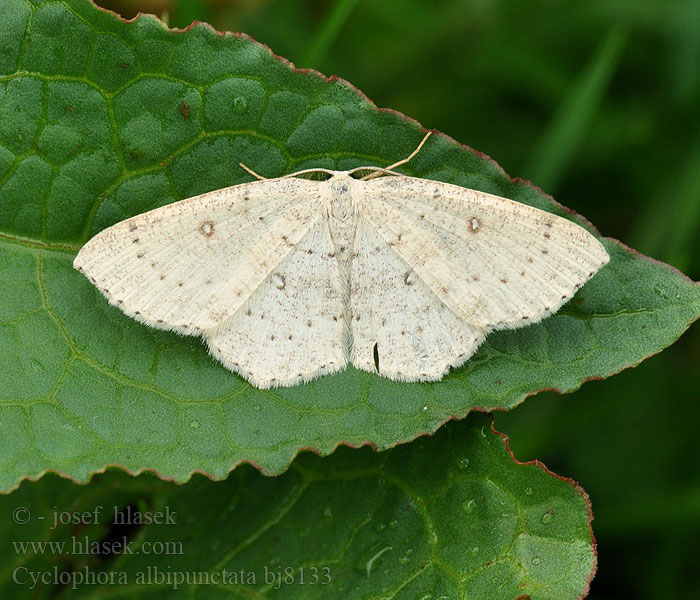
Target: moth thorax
341, 200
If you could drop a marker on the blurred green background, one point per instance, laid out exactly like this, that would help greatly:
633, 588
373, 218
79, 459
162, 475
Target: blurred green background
598, 103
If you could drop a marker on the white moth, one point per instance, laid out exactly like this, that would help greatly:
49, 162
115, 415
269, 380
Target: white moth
289, 279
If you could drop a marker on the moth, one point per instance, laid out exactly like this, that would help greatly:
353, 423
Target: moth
291, 278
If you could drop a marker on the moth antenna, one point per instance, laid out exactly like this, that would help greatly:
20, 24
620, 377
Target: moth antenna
253, 173
403, 161
411, 155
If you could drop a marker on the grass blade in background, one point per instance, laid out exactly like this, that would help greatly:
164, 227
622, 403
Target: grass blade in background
669, 226
327, 31
552, 156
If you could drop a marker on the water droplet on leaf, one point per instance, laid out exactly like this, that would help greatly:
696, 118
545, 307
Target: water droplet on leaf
661, 290
369, 560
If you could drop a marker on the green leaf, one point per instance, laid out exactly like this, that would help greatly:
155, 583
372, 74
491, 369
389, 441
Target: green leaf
101, 119
451, 516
